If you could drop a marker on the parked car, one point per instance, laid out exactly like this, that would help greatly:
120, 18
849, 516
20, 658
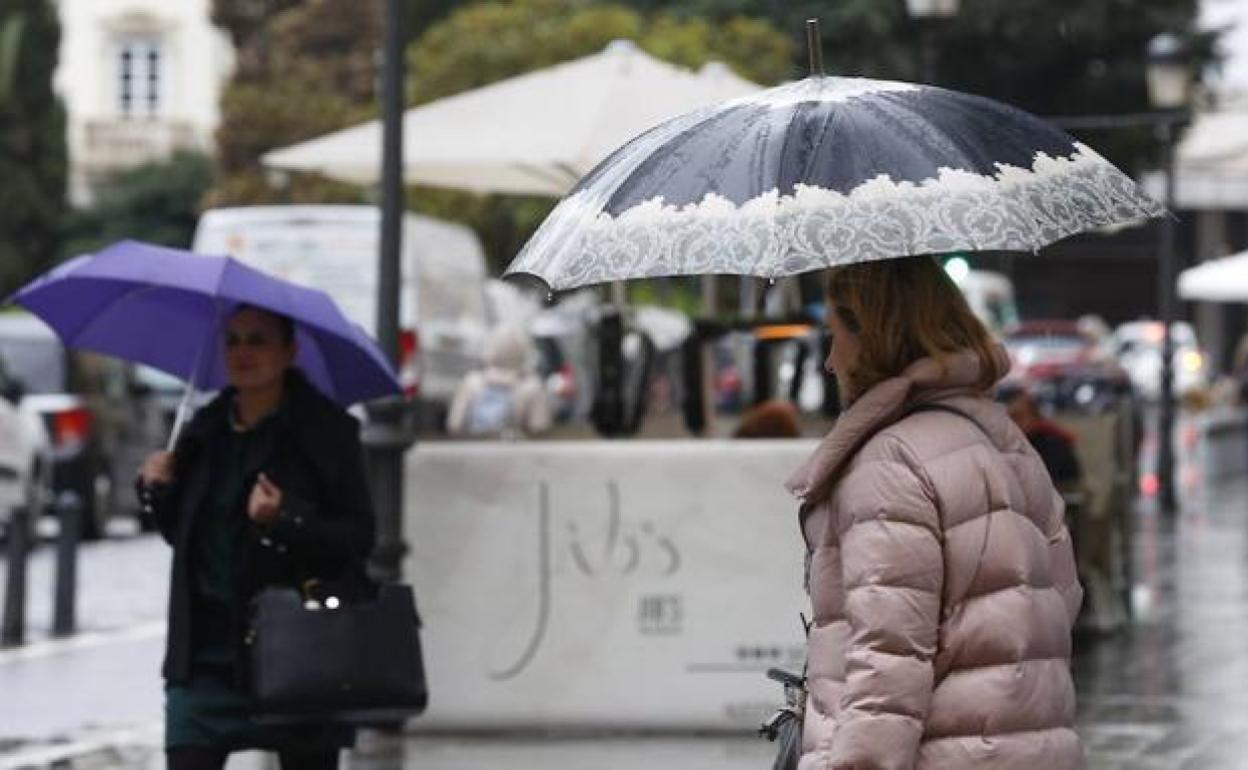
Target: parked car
1137, 345
1065, 365
100, 421
23, 453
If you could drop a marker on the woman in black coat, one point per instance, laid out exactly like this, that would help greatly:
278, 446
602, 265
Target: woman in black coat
266, 487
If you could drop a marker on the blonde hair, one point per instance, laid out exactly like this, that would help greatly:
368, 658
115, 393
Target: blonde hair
904, 310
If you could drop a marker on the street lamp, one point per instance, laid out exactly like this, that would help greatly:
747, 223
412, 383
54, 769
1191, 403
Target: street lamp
1169, 77
929, 13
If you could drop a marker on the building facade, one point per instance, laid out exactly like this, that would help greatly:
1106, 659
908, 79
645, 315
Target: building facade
140, 79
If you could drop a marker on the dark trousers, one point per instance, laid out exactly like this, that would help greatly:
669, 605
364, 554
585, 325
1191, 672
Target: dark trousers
196, 758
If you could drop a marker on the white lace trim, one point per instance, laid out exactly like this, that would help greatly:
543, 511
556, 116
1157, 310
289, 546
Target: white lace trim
774, 235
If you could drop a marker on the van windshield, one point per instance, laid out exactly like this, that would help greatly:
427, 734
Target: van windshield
446, 297
38, 364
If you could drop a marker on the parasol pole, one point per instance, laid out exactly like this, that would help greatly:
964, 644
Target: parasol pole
814, 43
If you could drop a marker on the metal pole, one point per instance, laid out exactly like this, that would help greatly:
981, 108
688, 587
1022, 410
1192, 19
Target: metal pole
814, 44
927, 50
388, 274
14, 629
1165, 289
69, 513
387, 435
710, 302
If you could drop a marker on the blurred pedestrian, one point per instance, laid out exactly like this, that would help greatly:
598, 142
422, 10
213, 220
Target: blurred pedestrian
771, 419
505, 398
1239, 370
1054, 444
266, 487
940, 571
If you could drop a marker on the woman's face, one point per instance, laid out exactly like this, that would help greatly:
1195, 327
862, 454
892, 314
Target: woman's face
256, 356
844, 355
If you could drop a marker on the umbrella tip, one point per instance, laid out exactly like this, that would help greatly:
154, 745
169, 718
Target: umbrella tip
814, 43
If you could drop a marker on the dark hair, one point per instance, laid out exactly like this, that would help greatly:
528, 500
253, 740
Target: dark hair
286, 327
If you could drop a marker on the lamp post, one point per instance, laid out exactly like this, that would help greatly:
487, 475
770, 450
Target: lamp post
1169, 86
388, 435
930, 13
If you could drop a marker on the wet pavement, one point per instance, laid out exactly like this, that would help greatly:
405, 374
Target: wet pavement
1171, 692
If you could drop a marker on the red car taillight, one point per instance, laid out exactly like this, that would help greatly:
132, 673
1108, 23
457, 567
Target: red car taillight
409, 362
72, 426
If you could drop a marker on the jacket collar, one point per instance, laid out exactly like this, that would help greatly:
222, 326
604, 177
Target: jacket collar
925, 381
297, 403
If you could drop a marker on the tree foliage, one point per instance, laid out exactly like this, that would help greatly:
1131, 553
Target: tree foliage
32, 141
158, 202
488, 41
305, 68
1050, 58
247, 23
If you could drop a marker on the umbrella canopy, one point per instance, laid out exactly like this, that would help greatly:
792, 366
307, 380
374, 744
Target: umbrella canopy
166, 308
1218, 280
828, 171
536, 133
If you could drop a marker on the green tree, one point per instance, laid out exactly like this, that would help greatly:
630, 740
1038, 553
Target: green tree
247, 22
32, 141
307, 67
158, 202
488, 41
1050, 58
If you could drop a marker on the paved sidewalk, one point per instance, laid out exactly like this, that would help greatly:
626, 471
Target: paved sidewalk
1173, 692
122, 582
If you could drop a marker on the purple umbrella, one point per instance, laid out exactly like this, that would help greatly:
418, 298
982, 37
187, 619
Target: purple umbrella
166, 307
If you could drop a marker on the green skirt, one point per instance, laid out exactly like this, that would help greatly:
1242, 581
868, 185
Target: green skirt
210, 711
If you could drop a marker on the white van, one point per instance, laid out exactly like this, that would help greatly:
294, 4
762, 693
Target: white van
442, 307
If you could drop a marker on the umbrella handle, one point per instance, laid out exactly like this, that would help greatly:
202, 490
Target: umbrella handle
185, 403
178, 420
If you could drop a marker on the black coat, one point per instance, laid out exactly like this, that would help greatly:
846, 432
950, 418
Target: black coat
326, 526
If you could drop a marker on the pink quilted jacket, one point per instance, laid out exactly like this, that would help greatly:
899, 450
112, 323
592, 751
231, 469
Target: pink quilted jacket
943, 586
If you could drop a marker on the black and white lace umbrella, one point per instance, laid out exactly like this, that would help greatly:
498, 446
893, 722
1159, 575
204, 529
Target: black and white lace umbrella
827, 171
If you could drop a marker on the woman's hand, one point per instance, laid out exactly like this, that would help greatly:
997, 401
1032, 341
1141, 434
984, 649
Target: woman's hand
157, 469
265, 503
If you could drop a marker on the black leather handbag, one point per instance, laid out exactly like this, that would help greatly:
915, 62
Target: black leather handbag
331, 659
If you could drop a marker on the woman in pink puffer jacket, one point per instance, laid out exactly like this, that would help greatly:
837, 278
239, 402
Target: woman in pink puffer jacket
941, 574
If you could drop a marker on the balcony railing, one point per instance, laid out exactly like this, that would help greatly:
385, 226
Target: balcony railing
116, 144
